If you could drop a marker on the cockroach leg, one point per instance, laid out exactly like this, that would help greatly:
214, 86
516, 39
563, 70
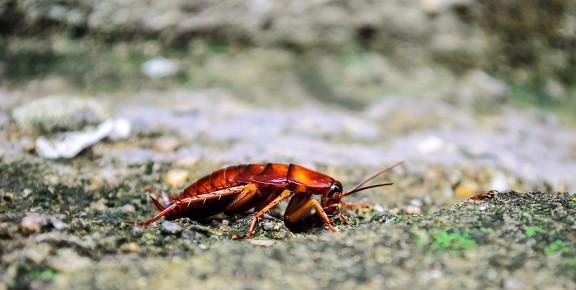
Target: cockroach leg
323, 215
213, 195
157, 204
243, 197
299, 209
343, 218
156, 217
284, 195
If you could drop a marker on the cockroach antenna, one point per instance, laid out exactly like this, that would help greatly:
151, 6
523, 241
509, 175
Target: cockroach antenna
358, 187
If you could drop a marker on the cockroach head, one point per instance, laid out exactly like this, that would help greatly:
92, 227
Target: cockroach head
331, 200
335, 192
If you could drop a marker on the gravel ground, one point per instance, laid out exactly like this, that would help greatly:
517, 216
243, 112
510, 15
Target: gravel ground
61, 220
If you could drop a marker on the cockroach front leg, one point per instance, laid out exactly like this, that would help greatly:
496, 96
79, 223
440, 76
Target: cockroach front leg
300, 207
284, 195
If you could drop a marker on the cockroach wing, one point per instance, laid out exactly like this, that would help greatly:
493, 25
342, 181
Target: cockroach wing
308, 177
247, 172
273, 174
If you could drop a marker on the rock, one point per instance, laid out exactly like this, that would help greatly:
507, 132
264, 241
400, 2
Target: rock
70, 144
33, 223
160, 67
170, 228
59, 113
176, 177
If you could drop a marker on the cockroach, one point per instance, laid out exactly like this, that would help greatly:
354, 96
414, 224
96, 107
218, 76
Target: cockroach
485, 195
258, 188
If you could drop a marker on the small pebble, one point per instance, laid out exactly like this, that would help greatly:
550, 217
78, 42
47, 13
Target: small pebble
130, 247
378, 208
137, 231
270, 226
499, 182
32, 223
127, 208
200, 229
99, 205
170, 228
416, 202
8, 196
188, 161
166, 144
412, 210
160, 67
176, 177
58, 224
26, 192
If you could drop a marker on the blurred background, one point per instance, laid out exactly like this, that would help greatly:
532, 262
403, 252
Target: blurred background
473, 94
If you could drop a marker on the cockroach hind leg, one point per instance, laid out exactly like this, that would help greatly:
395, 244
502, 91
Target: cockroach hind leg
155, 218
157, 204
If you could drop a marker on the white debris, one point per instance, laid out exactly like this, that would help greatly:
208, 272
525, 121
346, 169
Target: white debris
70, 144
430, 144
160, 67
120, 130
499, 182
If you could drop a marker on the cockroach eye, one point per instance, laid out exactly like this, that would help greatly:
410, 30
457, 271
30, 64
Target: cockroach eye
335, 188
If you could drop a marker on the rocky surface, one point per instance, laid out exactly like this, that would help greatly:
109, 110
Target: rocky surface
345, 88
61, 221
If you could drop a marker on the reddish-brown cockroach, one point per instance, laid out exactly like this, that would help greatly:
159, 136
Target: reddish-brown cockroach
260, 187
485, 195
